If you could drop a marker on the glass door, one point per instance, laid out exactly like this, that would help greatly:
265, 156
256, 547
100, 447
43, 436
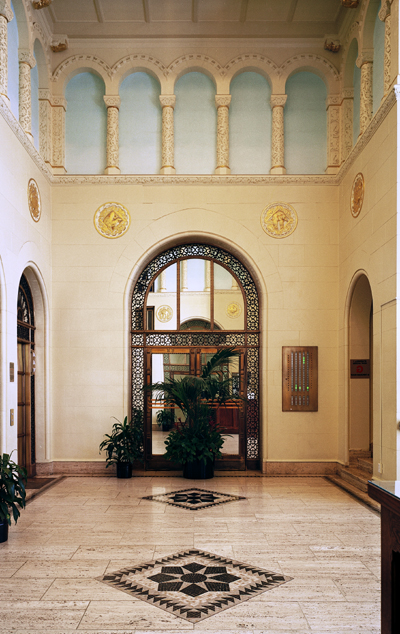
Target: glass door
163, 364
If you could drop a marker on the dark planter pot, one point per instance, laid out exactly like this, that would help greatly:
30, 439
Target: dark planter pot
3, 531
166, 427
197, 470
124, 470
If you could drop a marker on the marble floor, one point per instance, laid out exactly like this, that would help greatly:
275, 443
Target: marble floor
82, 528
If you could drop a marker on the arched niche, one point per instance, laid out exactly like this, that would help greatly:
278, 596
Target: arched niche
85, 124
250, 124
195, 123
140, 124
305, 124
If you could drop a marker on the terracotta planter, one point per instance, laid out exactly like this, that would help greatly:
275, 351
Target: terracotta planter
3, 531
124, 470
197, 470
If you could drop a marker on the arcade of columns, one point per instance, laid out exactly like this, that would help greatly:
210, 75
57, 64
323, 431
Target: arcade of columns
52, 113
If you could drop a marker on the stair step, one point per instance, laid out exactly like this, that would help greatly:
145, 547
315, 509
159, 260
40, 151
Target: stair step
354, 491
365, 464
354, 476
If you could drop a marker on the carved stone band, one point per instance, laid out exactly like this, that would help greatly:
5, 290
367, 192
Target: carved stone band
278, 100
26, 57
6, 11
223, 101
168, 101
364, 58
112, 101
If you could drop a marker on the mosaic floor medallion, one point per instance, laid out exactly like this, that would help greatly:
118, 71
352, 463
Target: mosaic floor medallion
194, 584
193, 499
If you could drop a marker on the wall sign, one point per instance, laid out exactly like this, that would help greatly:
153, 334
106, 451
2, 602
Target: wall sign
299, 378
359, 368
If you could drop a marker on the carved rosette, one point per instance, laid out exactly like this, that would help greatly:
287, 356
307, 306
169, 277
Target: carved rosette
112, 220
34, 202
279, 220
333, 135
58, 107
278, 136
113, 103
164, 313
357, 195
167, 152
26, 62
222, 103
366, 103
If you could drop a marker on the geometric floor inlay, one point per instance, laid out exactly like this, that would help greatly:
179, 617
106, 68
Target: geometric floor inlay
193, 499
194, 584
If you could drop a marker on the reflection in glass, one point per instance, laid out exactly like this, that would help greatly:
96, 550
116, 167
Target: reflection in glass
165, 366
161, 301
228, 415
195, 276
228, 300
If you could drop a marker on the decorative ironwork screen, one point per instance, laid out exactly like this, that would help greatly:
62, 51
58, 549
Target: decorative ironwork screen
248, 339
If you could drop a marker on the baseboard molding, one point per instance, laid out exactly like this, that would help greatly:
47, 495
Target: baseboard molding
299, 468
72, 468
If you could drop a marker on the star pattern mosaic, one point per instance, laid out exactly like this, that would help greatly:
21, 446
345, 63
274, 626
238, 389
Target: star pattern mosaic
193, 499
194, 584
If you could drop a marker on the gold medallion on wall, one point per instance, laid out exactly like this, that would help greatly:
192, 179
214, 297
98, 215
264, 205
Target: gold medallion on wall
234, 310
357, 195
112, 220
34, 202
164, 313
279, 220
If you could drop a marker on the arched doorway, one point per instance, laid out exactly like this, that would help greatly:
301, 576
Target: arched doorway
190, 301
26, 377
360, 355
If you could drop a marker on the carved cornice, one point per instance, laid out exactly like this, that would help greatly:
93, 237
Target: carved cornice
112, 101
192, 59
41, 4
5, 10
59, 43
278, 100
26, 57
223, 100
250, 59
149, 60
84, 59
168, 101
306, 58
365, 57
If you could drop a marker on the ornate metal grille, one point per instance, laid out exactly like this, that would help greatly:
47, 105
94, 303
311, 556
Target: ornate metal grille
245, 339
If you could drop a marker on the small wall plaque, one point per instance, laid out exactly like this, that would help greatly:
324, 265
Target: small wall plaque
299, 378
359, 368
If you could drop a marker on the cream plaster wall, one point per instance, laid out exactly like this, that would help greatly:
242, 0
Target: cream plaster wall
24, 246
92, 279
368, 245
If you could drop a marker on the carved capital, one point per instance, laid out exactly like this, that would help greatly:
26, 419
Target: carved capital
44, 94
223, 100
112, 101
26, 57
278, 100
41, 4
59, 43
332, 100
365, 57
348, 93
168, 101
59, 101
5, 10
384, 11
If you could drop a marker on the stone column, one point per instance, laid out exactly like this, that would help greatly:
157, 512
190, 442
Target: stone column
26, 62
113, 103
6, 15
333, 145
167, 154
163, 282
222, 103
207, 275
347, 122
278, 135
45, 124
385, 16
58, 108
184, 273
365, 62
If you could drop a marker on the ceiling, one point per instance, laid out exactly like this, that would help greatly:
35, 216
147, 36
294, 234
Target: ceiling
194, 18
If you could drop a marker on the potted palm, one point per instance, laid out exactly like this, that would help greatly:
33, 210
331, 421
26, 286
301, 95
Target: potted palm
12, 493
125, 444
196, 441
166, 419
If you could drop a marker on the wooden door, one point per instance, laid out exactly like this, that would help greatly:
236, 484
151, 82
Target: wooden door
24, 408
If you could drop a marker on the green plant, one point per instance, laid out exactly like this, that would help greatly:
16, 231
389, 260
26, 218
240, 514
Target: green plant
12, 488
166, 419
198, 437
125, 443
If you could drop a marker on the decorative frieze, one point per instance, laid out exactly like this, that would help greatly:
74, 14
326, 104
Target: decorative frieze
6, 15
113, 103
26, 63
365, 62
167, 152
58, 108
347, 122
385, 16
45, 124
278, 136
333, 157
222, 103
